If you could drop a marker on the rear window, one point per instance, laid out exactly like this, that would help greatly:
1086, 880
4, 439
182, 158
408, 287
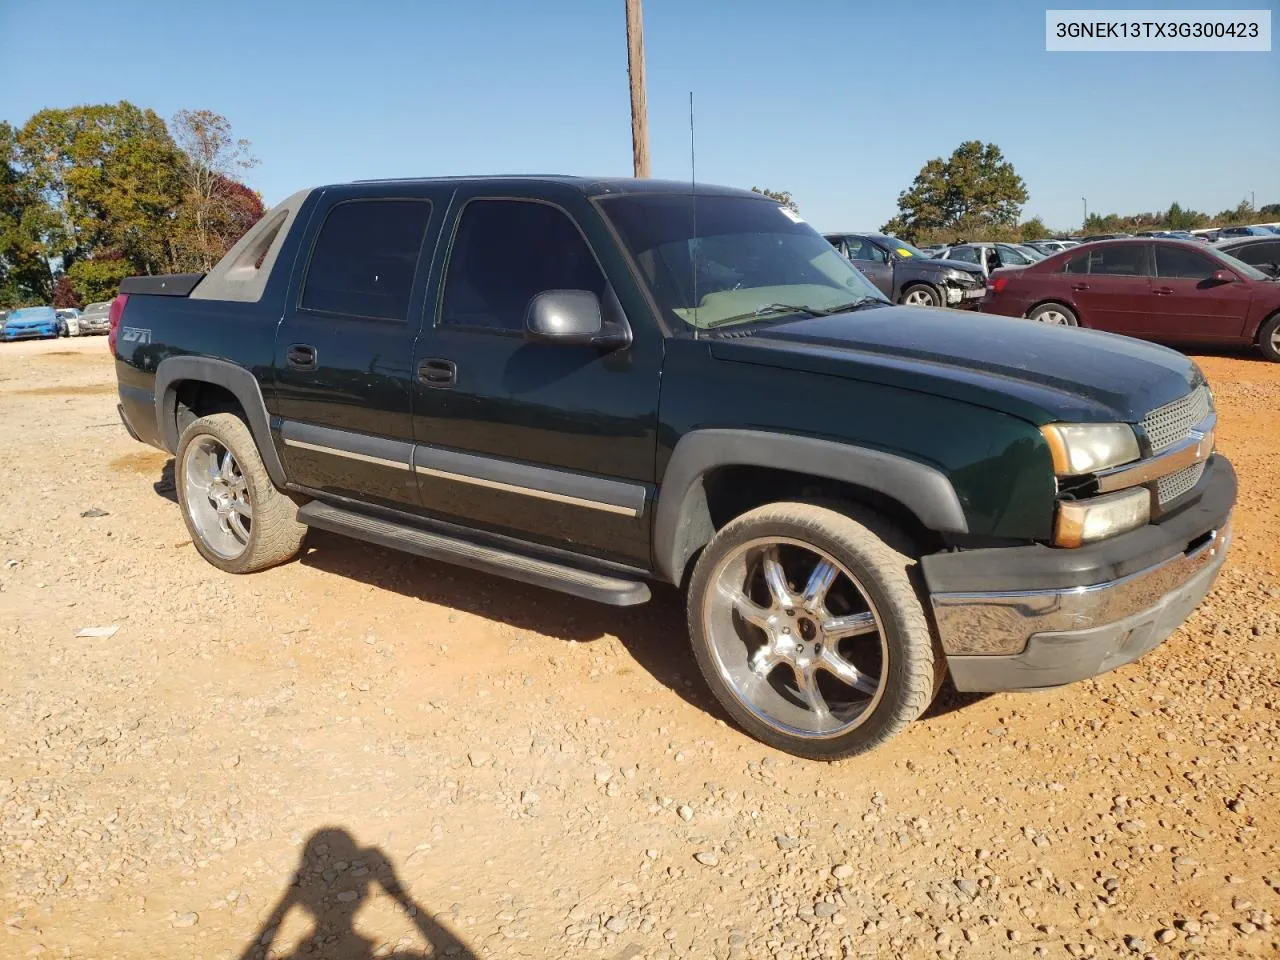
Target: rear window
364, 259
1127, 260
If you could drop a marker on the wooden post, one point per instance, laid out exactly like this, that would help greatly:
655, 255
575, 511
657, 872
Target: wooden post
635, 71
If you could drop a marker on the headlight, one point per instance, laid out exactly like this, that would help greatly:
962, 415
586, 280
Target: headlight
1083, 521
958, 276
1087, 447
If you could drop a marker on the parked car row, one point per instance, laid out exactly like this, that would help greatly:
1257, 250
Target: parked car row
1173, 291
28, 323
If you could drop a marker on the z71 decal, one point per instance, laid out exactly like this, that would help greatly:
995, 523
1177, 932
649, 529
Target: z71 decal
135, 335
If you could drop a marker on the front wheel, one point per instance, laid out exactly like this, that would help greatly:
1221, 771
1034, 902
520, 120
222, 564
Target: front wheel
808, 629
1269, 339
920, 295
1054, 314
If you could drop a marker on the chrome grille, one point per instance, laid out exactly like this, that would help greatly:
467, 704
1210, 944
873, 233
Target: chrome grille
1167, 425
1173, 486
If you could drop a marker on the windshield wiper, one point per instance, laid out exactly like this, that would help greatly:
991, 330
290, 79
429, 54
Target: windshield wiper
851, 305
772, 308
764, 311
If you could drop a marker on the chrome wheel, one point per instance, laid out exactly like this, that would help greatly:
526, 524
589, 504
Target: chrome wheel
1275, 339
808, 661
919, 297
216, 495
1055, 317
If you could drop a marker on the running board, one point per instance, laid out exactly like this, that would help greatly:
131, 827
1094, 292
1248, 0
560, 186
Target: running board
602, 588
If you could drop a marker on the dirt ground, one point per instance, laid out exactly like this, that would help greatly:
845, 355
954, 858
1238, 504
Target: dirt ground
367, 754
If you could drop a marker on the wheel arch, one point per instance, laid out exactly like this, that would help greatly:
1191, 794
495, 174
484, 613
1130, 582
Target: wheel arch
175, 372
686, 515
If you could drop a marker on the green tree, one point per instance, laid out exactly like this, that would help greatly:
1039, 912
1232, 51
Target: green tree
1269, 210
1033, 229
970, 192
782, 196
111, 174
25, 277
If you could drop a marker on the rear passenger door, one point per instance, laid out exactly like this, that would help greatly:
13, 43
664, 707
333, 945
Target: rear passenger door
1116, 293
344, 348
545, 442
1191, 304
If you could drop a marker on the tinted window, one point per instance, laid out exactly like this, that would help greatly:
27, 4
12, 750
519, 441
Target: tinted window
1129, 260
1187, 264
964, 254
1077, 264
363, 261
507, 251
1267, 252
865, 250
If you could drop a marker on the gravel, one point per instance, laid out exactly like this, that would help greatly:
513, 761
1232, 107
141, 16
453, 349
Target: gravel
534, 776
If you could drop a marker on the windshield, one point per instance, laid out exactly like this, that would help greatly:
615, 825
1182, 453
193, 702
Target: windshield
727, 257
96, 309
32, 313
905, 249
1239, 266
1012, 254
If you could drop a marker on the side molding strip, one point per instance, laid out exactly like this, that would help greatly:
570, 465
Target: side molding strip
558, 486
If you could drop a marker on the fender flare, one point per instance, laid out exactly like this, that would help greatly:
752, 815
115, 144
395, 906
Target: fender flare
239, 381
682, 522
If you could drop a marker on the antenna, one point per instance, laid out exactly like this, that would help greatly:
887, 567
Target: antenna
693, 203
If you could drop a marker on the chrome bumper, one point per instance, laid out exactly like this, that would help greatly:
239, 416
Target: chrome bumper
1001, 641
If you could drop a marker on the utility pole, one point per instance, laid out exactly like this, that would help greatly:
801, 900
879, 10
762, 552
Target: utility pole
635, 72
1085, 225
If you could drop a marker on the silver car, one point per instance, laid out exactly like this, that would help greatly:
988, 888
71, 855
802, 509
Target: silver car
988, 256
95, 318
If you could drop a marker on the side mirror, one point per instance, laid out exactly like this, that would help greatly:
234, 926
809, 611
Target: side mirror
1223, 276
571, 317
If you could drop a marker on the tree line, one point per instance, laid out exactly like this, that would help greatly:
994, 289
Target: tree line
90, 195
975, 194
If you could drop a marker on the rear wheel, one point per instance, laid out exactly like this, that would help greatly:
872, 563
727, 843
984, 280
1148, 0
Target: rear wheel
237, 519
809, 631
920, 295
1269, 339
1055, 314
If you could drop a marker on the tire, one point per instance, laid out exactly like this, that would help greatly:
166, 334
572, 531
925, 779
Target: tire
920, 295
1269, 338
214, 494
753, 653
1054, 314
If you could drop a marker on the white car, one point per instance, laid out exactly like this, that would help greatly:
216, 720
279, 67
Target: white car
69, 322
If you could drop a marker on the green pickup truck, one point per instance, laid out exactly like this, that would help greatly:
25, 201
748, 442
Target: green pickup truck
597, 385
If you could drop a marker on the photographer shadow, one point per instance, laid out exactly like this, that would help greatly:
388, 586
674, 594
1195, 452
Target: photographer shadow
335, 877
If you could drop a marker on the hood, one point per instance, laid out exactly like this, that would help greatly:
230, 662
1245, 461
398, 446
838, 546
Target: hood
1037, 372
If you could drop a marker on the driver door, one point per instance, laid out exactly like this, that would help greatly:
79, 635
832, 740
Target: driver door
872, 262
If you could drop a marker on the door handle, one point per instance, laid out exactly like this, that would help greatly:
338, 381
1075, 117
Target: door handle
438, 373
1079, 286
301, 356
1162, 291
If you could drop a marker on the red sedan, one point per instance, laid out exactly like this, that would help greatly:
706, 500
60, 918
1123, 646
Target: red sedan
1171, 291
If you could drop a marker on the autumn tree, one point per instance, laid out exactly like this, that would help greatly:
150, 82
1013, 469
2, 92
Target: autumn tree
782, 196
971, 192
213, 200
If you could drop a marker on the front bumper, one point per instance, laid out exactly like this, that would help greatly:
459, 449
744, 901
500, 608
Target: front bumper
1059, 618
29, 333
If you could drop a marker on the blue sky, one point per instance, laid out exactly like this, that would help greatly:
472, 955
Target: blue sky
838, 101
